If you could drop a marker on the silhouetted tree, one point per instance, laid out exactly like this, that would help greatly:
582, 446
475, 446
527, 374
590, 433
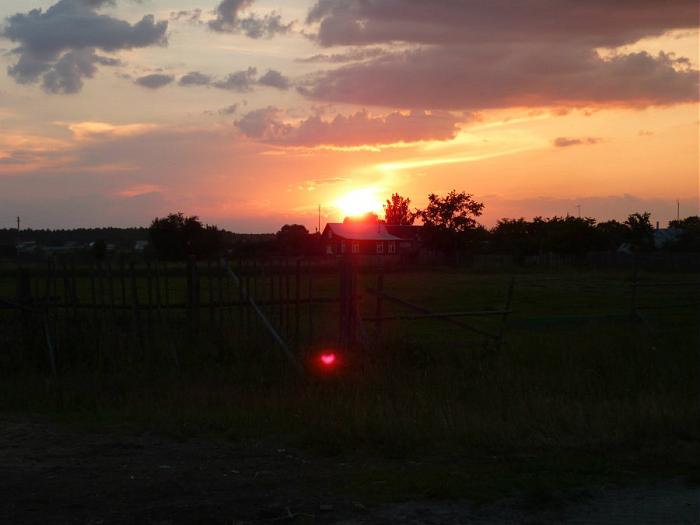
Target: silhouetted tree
177, 236
514, 236
293, 239
611, 234
99, 249
689, 237
448, 220
641, 232
396, 210
564, 235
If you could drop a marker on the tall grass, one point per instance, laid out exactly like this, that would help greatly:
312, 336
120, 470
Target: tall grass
583, 385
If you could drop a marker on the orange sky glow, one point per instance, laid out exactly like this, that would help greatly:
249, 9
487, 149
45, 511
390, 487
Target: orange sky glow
252, 130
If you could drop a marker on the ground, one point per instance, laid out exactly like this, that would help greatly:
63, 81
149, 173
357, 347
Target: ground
55, 473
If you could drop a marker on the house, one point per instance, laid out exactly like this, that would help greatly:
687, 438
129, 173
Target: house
141, 246
370, 238
666, 236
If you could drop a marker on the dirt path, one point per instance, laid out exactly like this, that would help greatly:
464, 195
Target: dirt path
51, 474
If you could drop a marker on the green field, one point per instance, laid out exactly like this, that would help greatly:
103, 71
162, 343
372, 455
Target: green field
575, 377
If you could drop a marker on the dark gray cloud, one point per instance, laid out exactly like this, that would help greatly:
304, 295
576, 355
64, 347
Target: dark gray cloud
499, 75
58, 44
471, 54
565, 142
240, 81
154, 81
596, 22
230, 19
66, 76
195, 78
275, 79
359, 129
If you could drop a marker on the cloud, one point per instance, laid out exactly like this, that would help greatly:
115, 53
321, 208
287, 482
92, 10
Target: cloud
195, 78
353, 55
565, 142
189, 15
599, 23
472, 54
229, 110
154, 81
58, 45
359, 129
275, 79
66, 76
483, 76
90, 130
229, 20
240, 81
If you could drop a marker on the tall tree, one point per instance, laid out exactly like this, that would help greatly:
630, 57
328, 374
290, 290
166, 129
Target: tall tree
641, 232
293, 239
396, 210
177, 236
450, 221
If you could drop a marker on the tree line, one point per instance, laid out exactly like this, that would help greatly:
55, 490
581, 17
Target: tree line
449, 225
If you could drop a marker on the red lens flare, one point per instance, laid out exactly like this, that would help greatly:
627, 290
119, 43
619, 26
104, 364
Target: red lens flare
328, 359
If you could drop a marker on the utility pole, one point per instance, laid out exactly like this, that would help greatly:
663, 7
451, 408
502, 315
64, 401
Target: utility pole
319, 220
18, 223
678, 210
578, 206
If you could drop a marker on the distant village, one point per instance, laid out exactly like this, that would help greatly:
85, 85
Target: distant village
447, 226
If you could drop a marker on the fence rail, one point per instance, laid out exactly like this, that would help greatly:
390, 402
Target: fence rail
137, 310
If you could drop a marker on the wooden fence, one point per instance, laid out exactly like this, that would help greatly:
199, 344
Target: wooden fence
60, 313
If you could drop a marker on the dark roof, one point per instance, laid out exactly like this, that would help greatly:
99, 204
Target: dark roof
405, 232
360, 231
374, 231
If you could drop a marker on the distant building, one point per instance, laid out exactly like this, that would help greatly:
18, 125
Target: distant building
140, 246
27, 247
666, 236
370, 238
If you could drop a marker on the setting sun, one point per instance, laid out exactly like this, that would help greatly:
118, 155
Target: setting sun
359, 202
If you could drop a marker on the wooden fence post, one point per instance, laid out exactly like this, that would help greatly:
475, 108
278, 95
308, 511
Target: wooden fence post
633, 298
297, 303
310, 310
380, 302
24, 299
506, 311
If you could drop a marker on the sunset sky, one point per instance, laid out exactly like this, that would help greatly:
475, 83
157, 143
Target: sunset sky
252, 113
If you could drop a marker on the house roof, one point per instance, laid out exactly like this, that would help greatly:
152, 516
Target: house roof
360, 231
405, 231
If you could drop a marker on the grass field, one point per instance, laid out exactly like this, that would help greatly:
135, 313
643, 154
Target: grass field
578, 387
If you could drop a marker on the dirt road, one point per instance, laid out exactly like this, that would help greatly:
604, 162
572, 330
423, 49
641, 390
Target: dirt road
55, 474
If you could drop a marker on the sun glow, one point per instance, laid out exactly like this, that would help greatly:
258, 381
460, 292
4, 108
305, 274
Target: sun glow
359, 202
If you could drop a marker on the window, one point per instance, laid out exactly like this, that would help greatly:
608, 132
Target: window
392, 246
342, 246
380, 247
356, 247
